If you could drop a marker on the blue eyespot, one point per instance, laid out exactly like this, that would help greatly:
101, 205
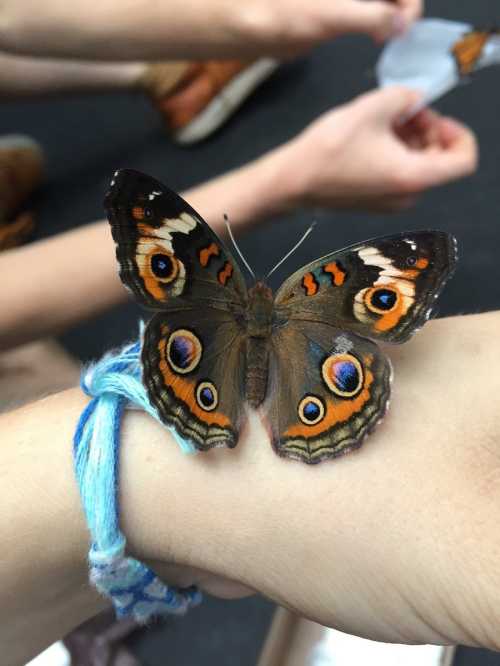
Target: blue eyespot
311, 410
207, 396
343, 374
346, 376
384, 299
162, 265
183, 351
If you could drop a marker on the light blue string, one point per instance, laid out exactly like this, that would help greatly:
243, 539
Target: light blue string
114, 383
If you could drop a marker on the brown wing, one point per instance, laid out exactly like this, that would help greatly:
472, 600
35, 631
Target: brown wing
164, 248
333, 395
194, 374
382, 289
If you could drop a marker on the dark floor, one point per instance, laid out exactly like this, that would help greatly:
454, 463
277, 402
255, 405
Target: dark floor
87, 138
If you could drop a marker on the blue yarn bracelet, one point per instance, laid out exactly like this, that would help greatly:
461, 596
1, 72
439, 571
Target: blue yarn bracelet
114, 384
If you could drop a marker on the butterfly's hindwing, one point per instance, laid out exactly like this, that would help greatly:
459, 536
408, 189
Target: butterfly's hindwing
194, 374
338, 391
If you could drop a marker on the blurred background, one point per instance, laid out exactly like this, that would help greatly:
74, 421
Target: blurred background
87, 137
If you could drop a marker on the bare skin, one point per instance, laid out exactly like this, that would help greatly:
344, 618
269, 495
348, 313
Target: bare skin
397, 542
24, 76
144, 30
428, 151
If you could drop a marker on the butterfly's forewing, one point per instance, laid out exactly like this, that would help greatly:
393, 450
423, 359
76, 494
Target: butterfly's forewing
468, 50
174, 263
332, 396
164, 248
382, 289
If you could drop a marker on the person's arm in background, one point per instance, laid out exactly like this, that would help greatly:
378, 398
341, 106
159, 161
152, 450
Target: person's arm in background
398, 541
353, 156
145, 30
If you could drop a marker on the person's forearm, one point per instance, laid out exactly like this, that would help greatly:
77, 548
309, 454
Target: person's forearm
70, 277
398, 541
145, 29
54, 283
129, 30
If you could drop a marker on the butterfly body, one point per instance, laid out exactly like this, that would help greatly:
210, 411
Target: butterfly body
260, 322
305, 356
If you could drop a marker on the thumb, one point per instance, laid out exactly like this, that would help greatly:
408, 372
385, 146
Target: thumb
378, 18
394, 104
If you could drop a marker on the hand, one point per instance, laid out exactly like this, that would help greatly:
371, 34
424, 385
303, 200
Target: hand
364, 156
141, 30
292, 25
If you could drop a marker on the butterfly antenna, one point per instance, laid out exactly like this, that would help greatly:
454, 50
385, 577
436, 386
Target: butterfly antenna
297, 245
226, 220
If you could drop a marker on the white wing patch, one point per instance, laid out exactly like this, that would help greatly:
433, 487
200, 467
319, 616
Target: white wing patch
390, 276
162, 243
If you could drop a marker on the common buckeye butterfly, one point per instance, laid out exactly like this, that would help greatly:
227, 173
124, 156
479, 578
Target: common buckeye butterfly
305, 356
468, 50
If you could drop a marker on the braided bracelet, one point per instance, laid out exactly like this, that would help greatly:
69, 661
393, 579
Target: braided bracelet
114, 384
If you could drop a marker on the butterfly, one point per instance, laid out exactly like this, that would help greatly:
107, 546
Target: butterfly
305, 356
468, 50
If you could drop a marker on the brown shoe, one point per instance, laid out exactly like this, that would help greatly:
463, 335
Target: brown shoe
204, 94
21, 168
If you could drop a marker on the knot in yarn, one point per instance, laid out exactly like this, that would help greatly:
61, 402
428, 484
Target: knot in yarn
114, 384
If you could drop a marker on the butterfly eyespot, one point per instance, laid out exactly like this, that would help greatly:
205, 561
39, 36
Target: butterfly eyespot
183, 352
381, 299
311, 410
207, 396
343, 375
164, 266
411, 260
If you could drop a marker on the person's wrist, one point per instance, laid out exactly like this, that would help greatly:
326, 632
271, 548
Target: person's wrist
287, 184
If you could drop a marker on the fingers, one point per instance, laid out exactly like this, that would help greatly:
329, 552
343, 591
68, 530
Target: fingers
389, 105
377, 18
454, 154
412, 9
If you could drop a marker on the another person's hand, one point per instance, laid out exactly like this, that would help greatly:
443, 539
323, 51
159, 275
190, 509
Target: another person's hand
142, 30
364, 156
292, 25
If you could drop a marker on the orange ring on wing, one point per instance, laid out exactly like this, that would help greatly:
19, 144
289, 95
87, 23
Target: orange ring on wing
186, 356
173, 261
328, 371
372, 290
306, 400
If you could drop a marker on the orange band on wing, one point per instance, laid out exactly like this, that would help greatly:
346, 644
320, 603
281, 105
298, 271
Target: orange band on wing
310, 285
338, 275
207, 252
391, 319
422, 263
225, 273
185, 391
336, 412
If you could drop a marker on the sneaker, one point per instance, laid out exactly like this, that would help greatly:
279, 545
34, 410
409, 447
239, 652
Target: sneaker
21, 169
204, 95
